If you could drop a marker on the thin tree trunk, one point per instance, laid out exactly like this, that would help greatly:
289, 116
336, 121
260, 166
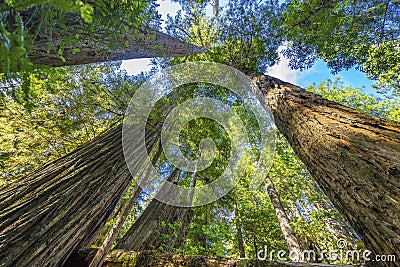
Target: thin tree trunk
290, 238
216, 8
156, 227
239, 233
255, 245
354, 157
78, 43
62, 207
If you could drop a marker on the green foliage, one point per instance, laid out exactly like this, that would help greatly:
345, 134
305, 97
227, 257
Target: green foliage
63, 109
362, 34
168, 233
386, 106
214, 229
200, 128
383, 65
14, 17
12, 45
23, 23
242, 36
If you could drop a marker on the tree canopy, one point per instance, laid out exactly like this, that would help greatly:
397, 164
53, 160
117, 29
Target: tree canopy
361, 34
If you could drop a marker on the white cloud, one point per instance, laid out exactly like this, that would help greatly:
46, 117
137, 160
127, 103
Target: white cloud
136, 66
167, 7
282, 70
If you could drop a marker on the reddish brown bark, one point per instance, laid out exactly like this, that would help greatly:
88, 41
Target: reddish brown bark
354, 157
62, 207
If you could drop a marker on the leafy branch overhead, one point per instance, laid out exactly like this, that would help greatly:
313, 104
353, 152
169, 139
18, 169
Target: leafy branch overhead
361, 34
59, 33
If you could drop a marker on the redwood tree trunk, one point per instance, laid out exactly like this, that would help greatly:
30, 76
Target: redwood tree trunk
96, 48
354, 157
78, 43
156, 227
62, 207
290, 238
111, 236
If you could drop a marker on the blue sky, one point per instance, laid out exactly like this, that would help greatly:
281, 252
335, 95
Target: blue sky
318, 73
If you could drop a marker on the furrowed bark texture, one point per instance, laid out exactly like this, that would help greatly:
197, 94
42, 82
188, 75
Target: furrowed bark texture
290, 238
113, 233
155, 228
354, 157
63, 206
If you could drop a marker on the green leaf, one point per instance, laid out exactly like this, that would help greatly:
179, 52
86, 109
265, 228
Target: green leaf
76, 50
86, 11
18, 51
